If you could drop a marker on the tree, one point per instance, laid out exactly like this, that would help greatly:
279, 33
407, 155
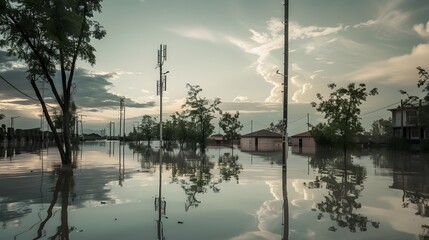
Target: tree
180, 126
51, 36
342, 110
324, 135
381, 130
231, 126
58, 118
148, 128
201, 111
277, 128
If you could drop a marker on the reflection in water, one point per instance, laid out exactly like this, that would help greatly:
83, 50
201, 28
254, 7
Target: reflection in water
410, 174
285, 216
229, 167
344, 183
64, 185
161, 203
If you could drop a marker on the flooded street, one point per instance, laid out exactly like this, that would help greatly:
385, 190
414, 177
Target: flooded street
114, 190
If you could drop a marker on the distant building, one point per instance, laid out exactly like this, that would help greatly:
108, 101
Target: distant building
303, 143
261, 141
405, 123
217, 138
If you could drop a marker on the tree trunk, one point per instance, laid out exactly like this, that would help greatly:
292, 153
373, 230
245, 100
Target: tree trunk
57, 138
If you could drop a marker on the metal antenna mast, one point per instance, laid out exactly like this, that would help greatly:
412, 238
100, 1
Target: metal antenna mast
161, 87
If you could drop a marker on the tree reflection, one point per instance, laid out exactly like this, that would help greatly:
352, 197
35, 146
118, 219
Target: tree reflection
229, 167
344, 183
410, 174
64, 186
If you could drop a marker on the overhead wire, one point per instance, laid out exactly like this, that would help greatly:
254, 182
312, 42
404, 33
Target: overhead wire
23, 93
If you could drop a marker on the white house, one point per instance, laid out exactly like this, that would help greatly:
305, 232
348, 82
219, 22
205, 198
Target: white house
405, 123
303, 143
262, 141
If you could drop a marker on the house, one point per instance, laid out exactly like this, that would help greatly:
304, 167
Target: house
406, 124
217, 139
303, 143
262, 141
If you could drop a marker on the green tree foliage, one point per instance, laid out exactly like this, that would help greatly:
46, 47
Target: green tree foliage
181, 127
2, 116
231, 126
201, 111
168, 133
381, 130
277, 128
58, 118
51, 36
342, 111
325, 135
148, 129
185, 131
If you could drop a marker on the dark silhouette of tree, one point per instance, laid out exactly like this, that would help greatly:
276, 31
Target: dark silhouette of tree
231, 127
201, 111
277, 128
341, 110
51, 36
381, 130
148, 129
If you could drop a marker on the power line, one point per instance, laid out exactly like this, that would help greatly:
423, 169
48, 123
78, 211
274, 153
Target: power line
296, 120
23, 93
379, 109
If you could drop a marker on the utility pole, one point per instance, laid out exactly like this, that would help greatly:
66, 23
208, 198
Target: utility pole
308, 121
161, 87
285, 119
11, 121
121, 118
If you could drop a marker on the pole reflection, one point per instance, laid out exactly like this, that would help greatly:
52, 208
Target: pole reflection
160, 204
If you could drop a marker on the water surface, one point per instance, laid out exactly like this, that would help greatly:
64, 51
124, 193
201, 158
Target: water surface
114, 192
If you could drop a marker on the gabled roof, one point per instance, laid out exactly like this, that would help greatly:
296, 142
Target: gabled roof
303, 134
262, 133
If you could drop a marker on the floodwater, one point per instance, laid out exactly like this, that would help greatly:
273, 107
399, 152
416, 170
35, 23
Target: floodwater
120, 191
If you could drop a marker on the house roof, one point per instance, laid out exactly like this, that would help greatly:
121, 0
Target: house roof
262, 133
303, 134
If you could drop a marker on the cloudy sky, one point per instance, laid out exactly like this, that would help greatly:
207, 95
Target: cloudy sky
232, 49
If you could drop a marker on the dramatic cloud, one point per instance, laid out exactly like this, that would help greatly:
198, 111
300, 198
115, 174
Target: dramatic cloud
399, 69
302, 89
365, 24
262, 44
239, 99
92, 88
296, 31
422, 30
198, 33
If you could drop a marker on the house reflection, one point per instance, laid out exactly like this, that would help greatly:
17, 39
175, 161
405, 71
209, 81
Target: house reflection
411, 175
